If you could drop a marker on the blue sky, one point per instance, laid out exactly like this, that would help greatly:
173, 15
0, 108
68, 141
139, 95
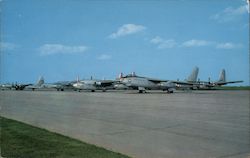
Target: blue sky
63, 39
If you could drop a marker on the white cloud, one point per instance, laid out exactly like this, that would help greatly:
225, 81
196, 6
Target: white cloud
157, 40
196, 43
228, 45
127, 29
8, 46
50, 49
230, 14
104, 57
162, 43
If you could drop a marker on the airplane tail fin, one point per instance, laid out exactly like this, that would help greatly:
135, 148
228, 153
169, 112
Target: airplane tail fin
120, 75
193, 76
222, 77
40, 81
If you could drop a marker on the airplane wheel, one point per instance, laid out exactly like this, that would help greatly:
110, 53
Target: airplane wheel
92, 90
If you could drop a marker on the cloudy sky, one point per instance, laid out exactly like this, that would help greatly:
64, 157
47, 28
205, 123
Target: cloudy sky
63, 39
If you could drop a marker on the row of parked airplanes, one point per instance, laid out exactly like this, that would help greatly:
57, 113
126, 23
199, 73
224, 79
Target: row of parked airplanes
131, 81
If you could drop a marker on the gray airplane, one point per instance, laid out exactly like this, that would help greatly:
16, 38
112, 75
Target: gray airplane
15, 86
94, 85
192, 78
222, 81
38, 85
7, 86
59, 86
144, 83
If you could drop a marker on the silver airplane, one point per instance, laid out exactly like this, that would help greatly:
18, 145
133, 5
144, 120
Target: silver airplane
192, 78
38, 85
119, 85
6, 86
144, 83
58, 85
93, 85
222, 81
15, 86
61, 85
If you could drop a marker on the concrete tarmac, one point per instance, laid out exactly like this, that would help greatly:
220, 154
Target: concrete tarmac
191, 124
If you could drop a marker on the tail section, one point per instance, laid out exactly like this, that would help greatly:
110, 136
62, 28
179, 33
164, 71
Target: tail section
222, 77
193, 76
40, 81
120, 76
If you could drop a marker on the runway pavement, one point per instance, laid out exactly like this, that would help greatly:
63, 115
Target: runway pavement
192, 124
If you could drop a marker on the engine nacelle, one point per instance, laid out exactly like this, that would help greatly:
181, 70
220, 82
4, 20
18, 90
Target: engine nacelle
167, 85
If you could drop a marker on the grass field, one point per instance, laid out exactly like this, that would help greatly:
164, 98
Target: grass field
19, 140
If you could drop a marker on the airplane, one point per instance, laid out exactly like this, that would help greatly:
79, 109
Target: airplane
59, 86
144, 83
192, 78
93, 85
118, 85
222, 81
20, 86
15, 86
7, 86
38, 85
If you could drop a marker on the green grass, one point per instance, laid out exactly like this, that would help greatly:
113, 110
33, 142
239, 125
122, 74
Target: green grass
19, 140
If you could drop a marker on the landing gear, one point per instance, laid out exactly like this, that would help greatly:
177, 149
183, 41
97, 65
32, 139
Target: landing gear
92, 90
142, 89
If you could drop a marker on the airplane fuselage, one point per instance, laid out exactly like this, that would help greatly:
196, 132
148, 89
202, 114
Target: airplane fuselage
142, 82
85, 85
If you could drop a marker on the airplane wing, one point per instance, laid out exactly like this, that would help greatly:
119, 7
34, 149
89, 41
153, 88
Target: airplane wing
185, 83
157, 80
223, 83
33, 87
21, 86
176, 82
